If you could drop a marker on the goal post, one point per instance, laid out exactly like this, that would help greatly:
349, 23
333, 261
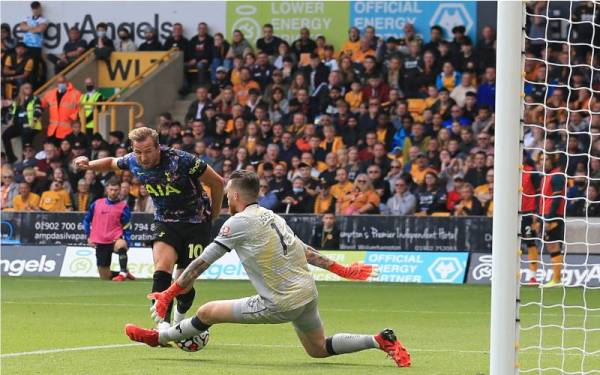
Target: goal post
545, 299
505, 241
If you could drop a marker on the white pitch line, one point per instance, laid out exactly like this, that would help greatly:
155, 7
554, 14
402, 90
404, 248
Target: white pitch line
485, 313
272, 346
77, 349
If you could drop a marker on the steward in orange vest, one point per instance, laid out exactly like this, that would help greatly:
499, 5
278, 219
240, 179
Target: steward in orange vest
63, 105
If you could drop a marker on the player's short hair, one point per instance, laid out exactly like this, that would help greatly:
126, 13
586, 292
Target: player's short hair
246, 183
114, 181
140, 134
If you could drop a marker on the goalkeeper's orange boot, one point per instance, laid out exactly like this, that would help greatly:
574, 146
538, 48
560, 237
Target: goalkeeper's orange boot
120, 277
130, 276
146, 336
393, 347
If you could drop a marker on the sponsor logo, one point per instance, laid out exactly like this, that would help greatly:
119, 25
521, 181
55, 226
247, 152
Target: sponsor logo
449, 15
484, 269
445, 270
579, 270
288, 17
162, 191
31, 260
81, 262
225, 230
83, 265
7, 233
18, 267
419, 267
246, 23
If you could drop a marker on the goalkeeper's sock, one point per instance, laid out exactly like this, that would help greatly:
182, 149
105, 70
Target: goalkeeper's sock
342, 343
557, 261
187, 328
123, 259
161, 281
184, 303
532, 255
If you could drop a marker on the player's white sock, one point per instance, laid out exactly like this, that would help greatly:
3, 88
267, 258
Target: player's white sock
183, 330
177, 317
349, 343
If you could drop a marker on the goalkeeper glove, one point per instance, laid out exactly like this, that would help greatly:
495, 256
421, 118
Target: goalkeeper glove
162, 300
355, 271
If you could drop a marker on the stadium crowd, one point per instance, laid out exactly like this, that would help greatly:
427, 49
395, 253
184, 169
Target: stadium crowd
395, 126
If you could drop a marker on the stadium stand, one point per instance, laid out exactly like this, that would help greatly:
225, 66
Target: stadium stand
392, 126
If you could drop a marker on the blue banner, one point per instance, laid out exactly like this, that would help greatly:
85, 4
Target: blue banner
419, 267
389, 17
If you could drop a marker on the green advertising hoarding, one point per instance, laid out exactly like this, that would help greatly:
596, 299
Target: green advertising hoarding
328, 18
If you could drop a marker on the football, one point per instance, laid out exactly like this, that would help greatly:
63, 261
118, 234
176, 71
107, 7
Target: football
194, 343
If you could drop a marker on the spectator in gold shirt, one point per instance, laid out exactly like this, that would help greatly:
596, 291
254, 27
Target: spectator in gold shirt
325, 201
362, 200
343, 186
56, 199
26, 200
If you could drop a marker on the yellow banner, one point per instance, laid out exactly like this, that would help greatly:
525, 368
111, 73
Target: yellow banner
124, 67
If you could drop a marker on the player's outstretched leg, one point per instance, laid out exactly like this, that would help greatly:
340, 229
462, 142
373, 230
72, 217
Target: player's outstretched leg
318, 346
185, 329
207, 315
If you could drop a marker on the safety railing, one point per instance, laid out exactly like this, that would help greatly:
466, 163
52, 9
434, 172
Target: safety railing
86, 55
139, 79
136, 111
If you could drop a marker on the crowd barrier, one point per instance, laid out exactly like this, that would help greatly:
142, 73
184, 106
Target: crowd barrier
412, 249
399, 233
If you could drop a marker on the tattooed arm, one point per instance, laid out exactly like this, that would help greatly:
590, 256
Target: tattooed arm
317, 259
191, 273
355, 271
211, 254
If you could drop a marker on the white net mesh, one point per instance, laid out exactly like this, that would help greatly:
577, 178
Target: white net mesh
560, 231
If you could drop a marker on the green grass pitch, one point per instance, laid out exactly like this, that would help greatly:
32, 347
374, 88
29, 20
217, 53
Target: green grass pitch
446, 329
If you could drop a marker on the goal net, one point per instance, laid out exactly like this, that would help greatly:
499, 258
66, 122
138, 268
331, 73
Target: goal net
559, 288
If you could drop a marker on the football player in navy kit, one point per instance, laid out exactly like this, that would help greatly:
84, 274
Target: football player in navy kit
184, 210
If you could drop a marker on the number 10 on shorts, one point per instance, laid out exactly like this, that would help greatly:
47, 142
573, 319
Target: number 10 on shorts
195, 250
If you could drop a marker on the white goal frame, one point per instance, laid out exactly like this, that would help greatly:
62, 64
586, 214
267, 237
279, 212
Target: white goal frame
504, 328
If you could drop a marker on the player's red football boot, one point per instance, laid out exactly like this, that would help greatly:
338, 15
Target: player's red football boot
119, 277
139, 334
393, 347
130, 276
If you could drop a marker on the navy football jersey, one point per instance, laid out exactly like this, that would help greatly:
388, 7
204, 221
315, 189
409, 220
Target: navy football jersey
173, 185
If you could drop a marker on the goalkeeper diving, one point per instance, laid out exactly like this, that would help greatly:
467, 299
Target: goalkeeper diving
276, 262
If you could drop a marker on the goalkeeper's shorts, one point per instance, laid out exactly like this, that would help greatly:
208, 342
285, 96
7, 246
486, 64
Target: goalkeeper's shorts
252, 310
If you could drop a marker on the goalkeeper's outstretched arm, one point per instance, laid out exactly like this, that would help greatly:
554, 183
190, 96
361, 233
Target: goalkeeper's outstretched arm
355, 271
317, 259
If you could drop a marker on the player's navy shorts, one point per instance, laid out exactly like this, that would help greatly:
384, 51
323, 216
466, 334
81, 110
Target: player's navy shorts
104, 254
527, 231
188, 239
554, 230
